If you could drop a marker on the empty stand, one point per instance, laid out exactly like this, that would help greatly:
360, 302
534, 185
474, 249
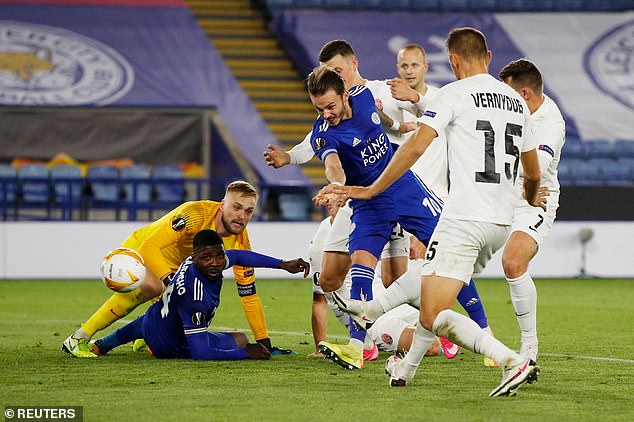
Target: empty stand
239, 30
137, 187
104, 190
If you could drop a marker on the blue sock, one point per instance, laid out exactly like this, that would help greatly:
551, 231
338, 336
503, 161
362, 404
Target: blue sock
470, 300
362, 278
123, 335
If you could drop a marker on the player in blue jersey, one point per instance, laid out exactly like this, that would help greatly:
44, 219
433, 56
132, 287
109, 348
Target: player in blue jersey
176, 326
350, 141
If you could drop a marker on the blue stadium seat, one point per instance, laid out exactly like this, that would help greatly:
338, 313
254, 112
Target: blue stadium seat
137, 186
587, 173
104, 183
598, 148
617, 174
573, 150
137, 183
8, 189
68, 184
8, 181
34, 183
624, 148
169, 184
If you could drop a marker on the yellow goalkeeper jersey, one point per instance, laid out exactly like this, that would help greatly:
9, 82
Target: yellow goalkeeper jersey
165, 243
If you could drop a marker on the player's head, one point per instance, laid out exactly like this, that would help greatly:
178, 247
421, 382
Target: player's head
209, 254
328, 94
339, 55
238, 206
524, 77
467, 50
411, 64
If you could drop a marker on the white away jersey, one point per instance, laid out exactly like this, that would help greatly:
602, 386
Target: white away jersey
431, 167
484, 121
547, 131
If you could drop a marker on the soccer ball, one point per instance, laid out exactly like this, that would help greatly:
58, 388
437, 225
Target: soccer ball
123, 270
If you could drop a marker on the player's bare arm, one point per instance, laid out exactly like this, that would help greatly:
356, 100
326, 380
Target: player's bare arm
276, 157
532, 179
296, 266
388, 122
402, 91
336, 176
403, 159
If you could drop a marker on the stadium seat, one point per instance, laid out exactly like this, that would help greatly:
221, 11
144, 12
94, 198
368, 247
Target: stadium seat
587, 173
34, 188
598, 148
169, 185
103, 182
137, 186
34, 183
68, 185
624, 148
8, 183
573, 150
617, 174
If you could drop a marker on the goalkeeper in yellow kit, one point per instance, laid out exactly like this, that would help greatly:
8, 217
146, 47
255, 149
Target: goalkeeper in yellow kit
165, 243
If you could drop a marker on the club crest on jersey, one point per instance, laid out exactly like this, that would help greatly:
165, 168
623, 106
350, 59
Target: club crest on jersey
199, 318
318, 143
376, 119
178, 224
387, 339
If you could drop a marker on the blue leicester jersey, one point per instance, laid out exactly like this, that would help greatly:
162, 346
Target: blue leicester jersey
187, 306
363, 148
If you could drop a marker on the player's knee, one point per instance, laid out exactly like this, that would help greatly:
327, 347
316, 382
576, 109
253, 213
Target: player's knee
330, 282
513, 265
426, 319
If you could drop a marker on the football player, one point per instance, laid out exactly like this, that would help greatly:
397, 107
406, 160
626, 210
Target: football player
176, 326
165, 243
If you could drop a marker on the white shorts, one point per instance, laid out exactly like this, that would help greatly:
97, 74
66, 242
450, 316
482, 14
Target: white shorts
339, 234
460, 248
386, 331
533, 221
343, 291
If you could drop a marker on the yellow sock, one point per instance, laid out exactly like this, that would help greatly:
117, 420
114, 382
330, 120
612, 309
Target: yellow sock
117, 306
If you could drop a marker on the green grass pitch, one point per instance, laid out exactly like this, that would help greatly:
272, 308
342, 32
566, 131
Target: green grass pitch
586, 330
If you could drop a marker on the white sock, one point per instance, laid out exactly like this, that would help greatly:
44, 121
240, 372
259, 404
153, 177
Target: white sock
423, 338
343, 317
81, 334
465, 332
406, 289
524, 299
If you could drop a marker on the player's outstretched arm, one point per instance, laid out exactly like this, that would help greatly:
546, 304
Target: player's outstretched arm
296, 266
298, 155
276, 157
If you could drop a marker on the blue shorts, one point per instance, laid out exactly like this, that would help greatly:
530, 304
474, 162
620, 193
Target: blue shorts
222, 341
407, 201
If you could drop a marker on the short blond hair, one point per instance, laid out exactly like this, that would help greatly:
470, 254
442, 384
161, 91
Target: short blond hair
243, 187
